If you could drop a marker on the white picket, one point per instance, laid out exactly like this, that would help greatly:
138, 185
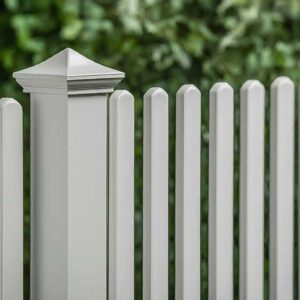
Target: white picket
251, 190
282, 189
11, 200
155, 195
121, 196
221, 127
188, 143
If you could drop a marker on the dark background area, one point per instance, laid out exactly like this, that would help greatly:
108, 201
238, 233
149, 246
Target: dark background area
158, 43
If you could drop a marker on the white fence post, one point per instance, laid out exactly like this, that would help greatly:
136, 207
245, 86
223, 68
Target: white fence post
155, 205
188, 143
282, 189
69, 175
252, 190
121, 196
221, 132
11, 200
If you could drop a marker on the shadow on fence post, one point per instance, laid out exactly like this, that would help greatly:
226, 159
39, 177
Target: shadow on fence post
68, 95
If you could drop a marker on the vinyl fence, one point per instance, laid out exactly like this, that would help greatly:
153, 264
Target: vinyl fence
82, 185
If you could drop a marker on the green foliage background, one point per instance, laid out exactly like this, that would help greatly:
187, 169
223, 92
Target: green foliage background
157, 43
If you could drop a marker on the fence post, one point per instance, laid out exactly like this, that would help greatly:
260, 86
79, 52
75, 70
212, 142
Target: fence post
221, 135
155, 194
11, 200
281, 245
251, 222
188, 148
69, 175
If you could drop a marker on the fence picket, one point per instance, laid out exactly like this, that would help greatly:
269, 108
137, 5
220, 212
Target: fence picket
282, 189
188, 136
221, 128
121, 196
11, 200
155, 244
251, 190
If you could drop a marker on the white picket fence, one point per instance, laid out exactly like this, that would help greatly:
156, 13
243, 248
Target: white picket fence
82, 168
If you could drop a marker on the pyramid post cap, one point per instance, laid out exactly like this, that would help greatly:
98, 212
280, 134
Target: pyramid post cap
70, 72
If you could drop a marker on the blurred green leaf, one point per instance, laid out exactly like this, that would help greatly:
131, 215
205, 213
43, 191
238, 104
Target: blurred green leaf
12, 4
72, 30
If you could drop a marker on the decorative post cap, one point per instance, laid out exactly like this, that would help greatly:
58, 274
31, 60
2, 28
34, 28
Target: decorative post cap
68, 72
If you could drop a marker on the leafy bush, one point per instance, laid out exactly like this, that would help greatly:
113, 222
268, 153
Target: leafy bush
157, 43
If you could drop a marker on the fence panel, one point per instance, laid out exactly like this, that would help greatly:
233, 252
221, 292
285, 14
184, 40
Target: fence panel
70, 132
121, 196
155, 244
221, 129
11, 200
251, 190
188, 138
282, 189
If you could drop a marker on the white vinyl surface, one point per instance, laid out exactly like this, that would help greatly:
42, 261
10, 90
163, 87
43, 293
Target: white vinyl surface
188, 143
251, 219
121, 196
11, 200
221, 129
282, 189
155, 196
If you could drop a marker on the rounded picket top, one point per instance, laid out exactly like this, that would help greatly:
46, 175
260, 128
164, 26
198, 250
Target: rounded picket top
252, 85
252, 90
282, 82
121, 95
156, 92
10, 103
188, 90
221, 91
221, 88
282, 90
